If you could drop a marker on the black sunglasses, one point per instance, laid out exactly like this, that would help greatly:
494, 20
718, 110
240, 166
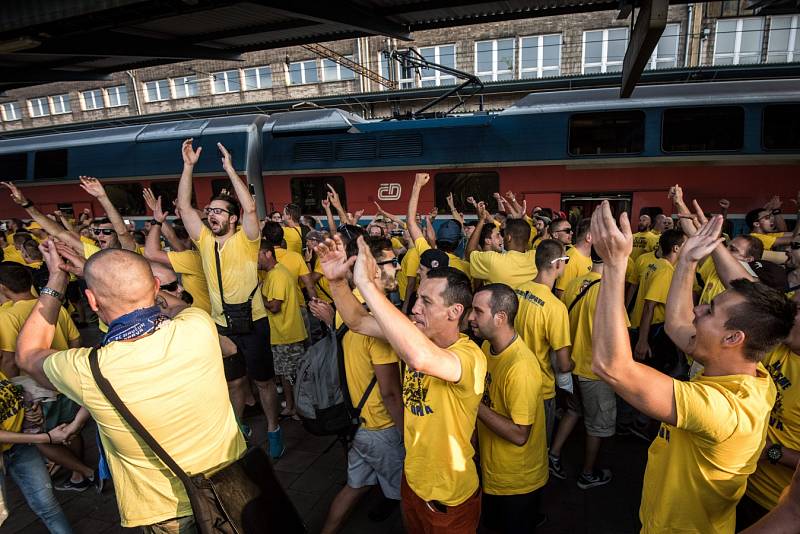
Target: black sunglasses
393, 261
104, 231
172, 286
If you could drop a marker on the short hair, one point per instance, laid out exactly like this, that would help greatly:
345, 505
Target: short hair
669, 239
293, 210
101, 220
502, 299
233, 204
583, 228
17, 222
517, 230
273, 232
266, 245
555, 224
546, 252
181, 233
17, 278
458, 289
139, 237
486, 233
546, 212
377, 245
21, 237
447, 246
755, 247
751, 218
350, 232
766, 317
32, 249
274, 212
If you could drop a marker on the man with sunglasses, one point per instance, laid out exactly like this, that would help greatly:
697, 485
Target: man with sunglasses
230, 259
543, 323
580, 261
761, 222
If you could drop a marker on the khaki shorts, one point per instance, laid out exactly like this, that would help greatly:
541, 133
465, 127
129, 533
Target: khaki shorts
599, 405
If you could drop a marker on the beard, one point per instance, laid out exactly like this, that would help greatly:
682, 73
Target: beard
389, 283
221, 229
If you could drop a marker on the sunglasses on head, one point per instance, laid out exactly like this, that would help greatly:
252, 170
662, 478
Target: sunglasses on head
565, 259
103, 231
216, 211
393, 261
172, 286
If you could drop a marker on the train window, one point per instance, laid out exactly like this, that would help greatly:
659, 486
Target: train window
308, 192
780, 127
702, 129
480, 185
127, 198
168, 191
14, 166
50, 164
218, 185
612, 132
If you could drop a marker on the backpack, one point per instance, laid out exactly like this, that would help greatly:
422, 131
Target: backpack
322, 398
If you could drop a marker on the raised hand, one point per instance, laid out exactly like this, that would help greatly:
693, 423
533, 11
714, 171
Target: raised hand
450, 203
333, 260
159, 214
702, 243
471, 201
326, 204
92, 186
322, 311
434, 213
16, 194
357, 216
483, 213
774, 203
421, 179
333, 196
366, 270
676, 194
511, 196
227, 163
73, 262
612, 243
190, 156
51, 257
379, 208
724, 204
149, 198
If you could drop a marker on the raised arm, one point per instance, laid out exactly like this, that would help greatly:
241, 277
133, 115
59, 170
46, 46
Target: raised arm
191, 219
333, 196
250, 224
430, 233
93, 186
47, 224
152, 246
160, 216
420, 179
459, 218
326, 205
644, 388
474, 242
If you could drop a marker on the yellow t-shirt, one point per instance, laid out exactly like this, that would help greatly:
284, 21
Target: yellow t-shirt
438, 422
643, 242
397, 244
12, 412
581, 319
766, 484
641, 265
422, 245
514, 390
409, 266
14, 316
767, 239
90, 249
287, 325
657, 289
712, 284
294, 239
323, 286
697, 470
578, 265
361, 354
646, 274
296, 265
543, 324
189, 265
511, 268
239, 260
173, 381
10, 253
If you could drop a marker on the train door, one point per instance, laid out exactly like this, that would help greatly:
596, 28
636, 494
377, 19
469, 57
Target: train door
580, 206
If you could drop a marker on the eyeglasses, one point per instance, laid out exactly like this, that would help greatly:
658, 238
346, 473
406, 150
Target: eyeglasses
565, 230
216, 211
565, 259
393, 261
795, 245
172, 286
103, 231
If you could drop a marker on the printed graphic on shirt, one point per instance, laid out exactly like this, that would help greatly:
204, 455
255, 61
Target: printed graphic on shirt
415, 393
782, 382
527, 295
486, 400
10, 399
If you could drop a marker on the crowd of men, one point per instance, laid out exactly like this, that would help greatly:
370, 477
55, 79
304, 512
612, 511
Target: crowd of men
488, 340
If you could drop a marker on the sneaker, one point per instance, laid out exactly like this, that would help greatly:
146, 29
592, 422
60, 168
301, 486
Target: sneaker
69, 485
599, 477
556, 469
276, 446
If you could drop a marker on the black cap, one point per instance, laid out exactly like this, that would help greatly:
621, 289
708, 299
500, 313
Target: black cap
771, 274
433, 258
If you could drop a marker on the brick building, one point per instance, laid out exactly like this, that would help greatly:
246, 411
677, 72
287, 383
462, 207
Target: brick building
508, 56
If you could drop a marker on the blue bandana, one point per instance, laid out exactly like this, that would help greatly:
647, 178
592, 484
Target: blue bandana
135, 324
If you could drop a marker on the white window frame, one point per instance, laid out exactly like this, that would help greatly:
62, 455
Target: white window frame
227, 76
438, 77
604, 63
16, 111
43, 110
186, 82
114, 93
653, 62
303, 69
736, 55
539, 69
96, 97
258, 78
60, 104
792, 42
339, 69
495, 72
159, 96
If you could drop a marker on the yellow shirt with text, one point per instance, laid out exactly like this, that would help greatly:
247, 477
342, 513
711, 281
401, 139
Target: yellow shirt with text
287, 325
657, 289
190, 266
514, 390
644, 242
649, 269
12, 412
438, 422
511, 268
361, 354
422, 245
578, 265
697, 470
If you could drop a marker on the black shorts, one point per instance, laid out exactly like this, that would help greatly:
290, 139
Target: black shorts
254, 358
511, 513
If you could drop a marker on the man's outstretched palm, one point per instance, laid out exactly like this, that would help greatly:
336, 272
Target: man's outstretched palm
333, 259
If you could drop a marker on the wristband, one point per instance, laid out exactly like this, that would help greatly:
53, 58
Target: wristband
153, 221
776, 211
50, 291
25, 205
49, 438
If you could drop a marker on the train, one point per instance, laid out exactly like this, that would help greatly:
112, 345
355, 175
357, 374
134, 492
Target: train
566, 150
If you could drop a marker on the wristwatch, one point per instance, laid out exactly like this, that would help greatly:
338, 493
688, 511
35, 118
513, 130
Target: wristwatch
775, 453
153, 221
52, 292
776, 211
25, 205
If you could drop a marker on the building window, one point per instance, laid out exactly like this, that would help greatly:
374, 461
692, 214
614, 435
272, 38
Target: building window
157, 90
494, 60
226, 82
39, 107
444, 55
301, 72
257, 78
665, 55
540, 56
784, 45
61, 104
738, 41
185, 86
334, 72
406, 77
92, 99
11, 111
117, 96
604, 50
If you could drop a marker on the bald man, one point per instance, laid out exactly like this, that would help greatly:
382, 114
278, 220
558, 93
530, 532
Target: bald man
168, 371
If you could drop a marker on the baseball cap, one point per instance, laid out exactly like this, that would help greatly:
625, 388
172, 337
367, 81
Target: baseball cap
770, 274
433, 258
544, 219
450, 231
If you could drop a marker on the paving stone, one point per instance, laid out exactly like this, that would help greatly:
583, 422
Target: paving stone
317, 480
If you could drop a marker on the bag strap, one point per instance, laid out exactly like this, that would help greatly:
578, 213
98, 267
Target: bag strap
219, 271
582, 294
108, 390
340, 332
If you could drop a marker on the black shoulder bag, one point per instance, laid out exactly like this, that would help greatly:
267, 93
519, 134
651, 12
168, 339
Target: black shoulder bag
239, 317
244, 497
582, 294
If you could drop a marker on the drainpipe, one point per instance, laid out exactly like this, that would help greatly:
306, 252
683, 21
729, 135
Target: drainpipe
135, 91
688, 35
